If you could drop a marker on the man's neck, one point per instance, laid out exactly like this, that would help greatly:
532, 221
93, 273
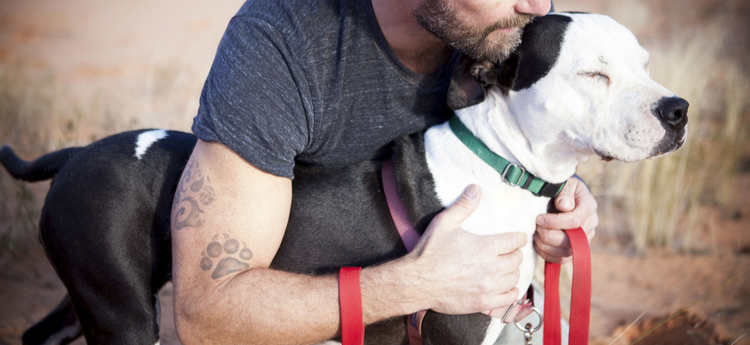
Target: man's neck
415, 47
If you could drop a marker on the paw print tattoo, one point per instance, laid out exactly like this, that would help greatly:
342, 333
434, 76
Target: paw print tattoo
228, 264
186, 208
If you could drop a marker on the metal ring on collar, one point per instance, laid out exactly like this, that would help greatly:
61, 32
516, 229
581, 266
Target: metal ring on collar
505, 172
535, 329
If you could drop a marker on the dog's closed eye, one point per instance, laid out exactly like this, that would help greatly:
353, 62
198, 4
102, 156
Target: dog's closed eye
599, 75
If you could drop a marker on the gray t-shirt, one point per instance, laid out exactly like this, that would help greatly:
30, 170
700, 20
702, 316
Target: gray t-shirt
313, 82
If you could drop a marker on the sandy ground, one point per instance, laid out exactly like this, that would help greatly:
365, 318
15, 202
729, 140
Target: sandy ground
123, 50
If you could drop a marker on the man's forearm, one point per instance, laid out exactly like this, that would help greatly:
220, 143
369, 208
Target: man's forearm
264, 306
258, 306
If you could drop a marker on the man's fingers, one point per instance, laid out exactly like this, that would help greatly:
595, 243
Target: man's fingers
552, 237
502, 244
568, 220
551, 258
463, 207
502, 302
565, 201
551, 249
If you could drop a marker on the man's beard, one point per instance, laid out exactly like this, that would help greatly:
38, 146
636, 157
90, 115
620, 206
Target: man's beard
440, 18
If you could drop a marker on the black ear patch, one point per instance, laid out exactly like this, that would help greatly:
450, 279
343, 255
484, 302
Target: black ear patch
507, 72
464, 90
539, 49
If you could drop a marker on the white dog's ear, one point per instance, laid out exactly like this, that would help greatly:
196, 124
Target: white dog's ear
465, 90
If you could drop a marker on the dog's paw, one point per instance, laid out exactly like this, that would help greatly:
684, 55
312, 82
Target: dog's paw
230, 263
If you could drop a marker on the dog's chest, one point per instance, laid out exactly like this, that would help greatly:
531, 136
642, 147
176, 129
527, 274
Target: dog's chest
503, 208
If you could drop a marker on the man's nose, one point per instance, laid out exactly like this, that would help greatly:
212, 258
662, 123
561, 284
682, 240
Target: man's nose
535, 7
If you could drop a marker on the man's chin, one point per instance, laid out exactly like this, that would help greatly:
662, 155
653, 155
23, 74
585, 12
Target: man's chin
498, 45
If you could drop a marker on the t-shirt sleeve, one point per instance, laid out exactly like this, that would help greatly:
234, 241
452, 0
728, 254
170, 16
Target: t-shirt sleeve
254, 99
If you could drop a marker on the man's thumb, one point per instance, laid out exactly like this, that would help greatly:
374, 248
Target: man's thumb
565, 201
465, 205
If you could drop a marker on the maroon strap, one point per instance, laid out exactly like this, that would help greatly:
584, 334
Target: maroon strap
409, 236
580, 300
406, 230
350, 298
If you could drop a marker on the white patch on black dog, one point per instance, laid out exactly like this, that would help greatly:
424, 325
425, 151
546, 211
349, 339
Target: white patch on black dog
67, 332
146, 139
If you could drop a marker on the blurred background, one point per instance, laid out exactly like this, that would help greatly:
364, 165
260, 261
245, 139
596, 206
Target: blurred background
674, 232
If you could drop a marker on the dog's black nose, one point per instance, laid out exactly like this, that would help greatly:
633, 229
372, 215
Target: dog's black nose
672, 110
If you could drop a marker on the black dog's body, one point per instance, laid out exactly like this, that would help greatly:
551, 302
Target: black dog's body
106, 229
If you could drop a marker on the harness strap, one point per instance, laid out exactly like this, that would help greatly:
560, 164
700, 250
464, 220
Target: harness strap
409, 236
580, 301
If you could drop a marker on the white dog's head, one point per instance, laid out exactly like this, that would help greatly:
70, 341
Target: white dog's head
583, 79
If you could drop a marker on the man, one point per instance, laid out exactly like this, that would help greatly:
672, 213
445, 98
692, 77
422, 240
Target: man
329, 83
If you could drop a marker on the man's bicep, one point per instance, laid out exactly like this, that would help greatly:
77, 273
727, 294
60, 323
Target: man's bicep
255, 99
227, 216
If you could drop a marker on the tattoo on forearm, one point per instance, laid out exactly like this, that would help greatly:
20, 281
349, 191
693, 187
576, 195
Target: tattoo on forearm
194, 184
223, 245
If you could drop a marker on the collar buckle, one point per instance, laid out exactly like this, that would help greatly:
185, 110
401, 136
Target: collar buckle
505, 173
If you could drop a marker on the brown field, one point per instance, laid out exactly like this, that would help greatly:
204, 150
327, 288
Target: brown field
674, 232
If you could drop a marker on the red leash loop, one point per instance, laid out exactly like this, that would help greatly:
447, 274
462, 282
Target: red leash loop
580, 301
350, 299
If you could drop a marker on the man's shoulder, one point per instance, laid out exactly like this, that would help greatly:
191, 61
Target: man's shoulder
305, 26
309, 13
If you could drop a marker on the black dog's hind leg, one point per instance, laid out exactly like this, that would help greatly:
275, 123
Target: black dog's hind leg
104, 262
60, 327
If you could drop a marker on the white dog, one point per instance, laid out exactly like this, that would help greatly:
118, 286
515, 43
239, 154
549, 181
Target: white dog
566, 94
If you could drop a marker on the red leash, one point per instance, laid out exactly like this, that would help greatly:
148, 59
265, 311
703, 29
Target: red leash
580, 300
352, 328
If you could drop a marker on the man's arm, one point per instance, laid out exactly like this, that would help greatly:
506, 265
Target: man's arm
228, 220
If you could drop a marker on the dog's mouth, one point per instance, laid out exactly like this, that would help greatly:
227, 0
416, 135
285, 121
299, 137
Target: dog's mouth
670, 143
605, 157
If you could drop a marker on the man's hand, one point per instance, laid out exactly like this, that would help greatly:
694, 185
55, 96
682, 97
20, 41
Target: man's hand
464, 272
578, 209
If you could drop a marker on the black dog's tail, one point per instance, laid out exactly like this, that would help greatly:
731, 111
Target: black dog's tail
43, 168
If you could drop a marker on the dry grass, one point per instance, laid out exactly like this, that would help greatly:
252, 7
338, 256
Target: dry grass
37, 117
24, 108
